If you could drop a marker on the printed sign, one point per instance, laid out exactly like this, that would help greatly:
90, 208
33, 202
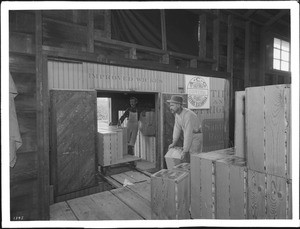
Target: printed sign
197, 88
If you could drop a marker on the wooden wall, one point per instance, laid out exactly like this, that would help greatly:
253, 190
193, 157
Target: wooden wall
22, 62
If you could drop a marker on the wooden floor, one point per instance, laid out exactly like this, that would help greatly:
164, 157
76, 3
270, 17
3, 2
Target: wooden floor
130, 201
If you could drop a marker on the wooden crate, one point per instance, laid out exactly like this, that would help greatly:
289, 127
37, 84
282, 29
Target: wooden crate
268, 126
169, 195
186, 167
203, 182
239, 127
230, 194
173, 157
107, 147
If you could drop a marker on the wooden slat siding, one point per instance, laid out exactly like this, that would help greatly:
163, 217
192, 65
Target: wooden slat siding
142, 188
24, 199
202, 43
25, 102
65, 71
90, 31
60, 75
238, 192
27, 128
76, 77
247, 82
195, 187
140, 205
61, 211
222, 192
55, 75
216, 41
24, 82
288, 123
21, 63
276, 197
82, 163
254, 108
22, 43
239, 132
275, 127
256, 195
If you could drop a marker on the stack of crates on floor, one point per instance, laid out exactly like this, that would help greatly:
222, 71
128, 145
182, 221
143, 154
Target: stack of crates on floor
170, 195
112, 145
218, 185
268, 154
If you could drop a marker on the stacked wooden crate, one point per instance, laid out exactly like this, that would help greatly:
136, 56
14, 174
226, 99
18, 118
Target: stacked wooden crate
145, 147
112, 145
268, 133
170, 195
204, 178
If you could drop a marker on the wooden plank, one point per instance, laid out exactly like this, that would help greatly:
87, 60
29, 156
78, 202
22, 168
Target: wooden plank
255, 128
42, 96
61, 211
222, 191
206, 187
287, 94
238, 202
289, 199
256, 195
195, 187
239, 131
140, 205
202, 43
123, 179
137, 176
275, 127
276, 197
143, 189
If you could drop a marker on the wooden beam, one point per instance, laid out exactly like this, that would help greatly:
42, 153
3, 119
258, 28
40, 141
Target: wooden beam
107, 23
216, 41
247, 55
249, 13
230, 38
72, 54
90, 31
42, 123
275, 18
163, 30
202, 42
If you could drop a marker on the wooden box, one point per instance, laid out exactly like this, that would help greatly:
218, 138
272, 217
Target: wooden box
107, 147
173, 157
169, 195
230, 188
203, 182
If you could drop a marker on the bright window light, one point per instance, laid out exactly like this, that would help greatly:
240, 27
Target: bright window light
281, 55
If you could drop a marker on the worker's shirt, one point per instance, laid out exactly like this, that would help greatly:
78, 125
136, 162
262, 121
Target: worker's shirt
189, 123
128, 110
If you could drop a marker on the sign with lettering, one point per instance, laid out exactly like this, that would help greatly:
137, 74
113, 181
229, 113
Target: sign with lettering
197, 88
213, 134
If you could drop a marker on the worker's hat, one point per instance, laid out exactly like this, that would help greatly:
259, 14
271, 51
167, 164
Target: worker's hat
176, 99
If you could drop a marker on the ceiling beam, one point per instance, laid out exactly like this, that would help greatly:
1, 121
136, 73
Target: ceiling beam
277, 18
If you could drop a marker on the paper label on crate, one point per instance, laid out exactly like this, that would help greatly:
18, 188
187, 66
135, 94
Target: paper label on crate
197, 88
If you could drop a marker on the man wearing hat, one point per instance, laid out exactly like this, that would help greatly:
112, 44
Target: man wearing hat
187, 121
133, 115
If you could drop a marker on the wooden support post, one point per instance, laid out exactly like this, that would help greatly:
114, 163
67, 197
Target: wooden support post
107, 23
262, 61
42, 123
247, 76
90, 31
163, 30
202, 42
230, 39
216, 40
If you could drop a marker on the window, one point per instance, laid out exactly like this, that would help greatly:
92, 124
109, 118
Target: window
103, 111
281, 55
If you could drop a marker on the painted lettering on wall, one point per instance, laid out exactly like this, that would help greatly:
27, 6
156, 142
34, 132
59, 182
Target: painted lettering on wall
213, 134
141, 79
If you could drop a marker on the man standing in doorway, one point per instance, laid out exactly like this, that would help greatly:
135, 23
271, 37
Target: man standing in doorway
187, 121
133, 115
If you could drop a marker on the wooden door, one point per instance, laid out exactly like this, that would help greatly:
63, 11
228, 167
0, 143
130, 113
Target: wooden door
73, 140
168, 120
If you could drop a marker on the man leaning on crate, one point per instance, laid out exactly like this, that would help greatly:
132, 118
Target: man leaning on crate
187, 121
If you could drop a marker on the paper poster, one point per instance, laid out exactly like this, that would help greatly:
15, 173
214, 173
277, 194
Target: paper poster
197, 89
